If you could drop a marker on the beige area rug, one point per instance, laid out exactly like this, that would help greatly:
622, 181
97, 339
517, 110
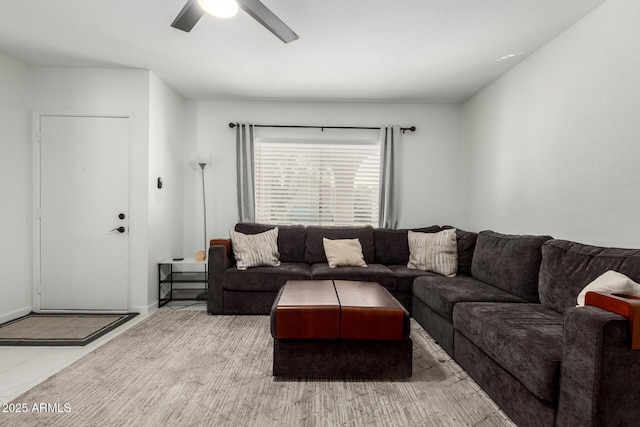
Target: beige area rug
45, 329
187, 368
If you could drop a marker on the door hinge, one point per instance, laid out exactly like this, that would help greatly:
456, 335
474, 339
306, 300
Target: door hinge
39, 212
39, 137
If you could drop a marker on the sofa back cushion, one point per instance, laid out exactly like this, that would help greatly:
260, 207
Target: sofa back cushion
392, 246
509, 262
314, 251
466, 241
567, 267
291, 239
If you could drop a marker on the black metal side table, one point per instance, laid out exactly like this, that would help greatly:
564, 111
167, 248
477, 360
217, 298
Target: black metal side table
183, 280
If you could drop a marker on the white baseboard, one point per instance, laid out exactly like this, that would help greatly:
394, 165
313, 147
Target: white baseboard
145, 309
7, 317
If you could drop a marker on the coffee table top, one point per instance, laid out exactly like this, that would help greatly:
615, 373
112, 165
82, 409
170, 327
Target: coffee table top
308, 293
364, 295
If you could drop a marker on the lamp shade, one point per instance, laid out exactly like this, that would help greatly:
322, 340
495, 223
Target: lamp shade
219, 8
198, 158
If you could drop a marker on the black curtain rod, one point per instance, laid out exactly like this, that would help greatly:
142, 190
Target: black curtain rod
412, 128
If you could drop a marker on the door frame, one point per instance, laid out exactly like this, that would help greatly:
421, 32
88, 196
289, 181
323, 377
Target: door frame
36, 115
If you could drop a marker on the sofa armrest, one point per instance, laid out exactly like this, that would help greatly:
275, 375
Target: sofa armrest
600, 376
219, 261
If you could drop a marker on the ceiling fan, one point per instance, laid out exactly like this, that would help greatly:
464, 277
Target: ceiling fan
194, 9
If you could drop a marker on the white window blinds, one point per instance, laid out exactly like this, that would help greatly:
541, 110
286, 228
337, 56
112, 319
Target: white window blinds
317, 181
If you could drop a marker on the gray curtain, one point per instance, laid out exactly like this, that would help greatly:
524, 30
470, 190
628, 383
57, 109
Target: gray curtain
244, 158
388, 213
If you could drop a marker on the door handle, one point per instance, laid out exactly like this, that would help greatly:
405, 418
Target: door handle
119, 230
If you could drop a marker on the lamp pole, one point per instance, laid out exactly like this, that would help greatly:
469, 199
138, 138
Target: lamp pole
204, 206
203, 295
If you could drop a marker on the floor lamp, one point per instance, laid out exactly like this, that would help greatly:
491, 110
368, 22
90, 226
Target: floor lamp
201, 160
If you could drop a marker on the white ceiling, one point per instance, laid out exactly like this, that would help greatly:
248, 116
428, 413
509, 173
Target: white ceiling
370, 50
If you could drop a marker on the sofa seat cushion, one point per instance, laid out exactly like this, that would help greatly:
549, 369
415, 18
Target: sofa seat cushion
524, 339
405, 276
441, 294
371, 273
265, 279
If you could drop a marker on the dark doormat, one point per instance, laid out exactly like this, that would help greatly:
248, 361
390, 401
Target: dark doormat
49, 329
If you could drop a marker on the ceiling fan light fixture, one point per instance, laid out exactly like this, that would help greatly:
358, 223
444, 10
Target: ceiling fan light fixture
219, 8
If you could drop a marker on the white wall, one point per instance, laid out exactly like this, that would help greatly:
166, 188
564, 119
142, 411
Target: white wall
553, 146
166, 160
15, 184
111, 91
429, 172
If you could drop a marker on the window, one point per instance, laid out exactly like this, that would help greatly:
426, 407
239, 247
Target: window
320, 180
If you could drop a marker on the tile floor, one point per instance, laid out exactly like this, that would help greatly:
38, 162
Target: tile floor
24, 367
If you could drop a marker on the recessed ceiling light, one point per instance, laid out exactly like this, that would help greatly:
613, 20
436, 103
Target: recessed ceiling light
509, 56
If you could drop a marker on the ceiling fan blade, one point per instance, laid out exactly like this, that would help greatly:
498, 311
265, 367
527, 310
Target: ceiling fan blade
188, 16
271, 22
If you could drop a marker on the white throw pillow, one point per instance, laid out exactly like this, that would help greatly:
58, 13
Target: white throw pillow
610, 282
343, 252
254, 250
435, 252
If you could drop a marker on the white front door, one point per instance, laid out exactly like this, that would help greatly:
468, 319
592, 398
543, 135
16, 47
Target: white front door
84, 199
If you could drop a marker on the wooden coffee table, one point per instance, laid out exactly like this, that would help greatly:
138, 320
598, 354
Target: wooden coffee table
325, 328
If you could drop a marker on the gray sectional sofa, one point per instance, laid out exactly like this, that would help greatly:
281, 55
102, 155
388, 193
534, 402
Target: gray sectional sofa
508, 317
386, 252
